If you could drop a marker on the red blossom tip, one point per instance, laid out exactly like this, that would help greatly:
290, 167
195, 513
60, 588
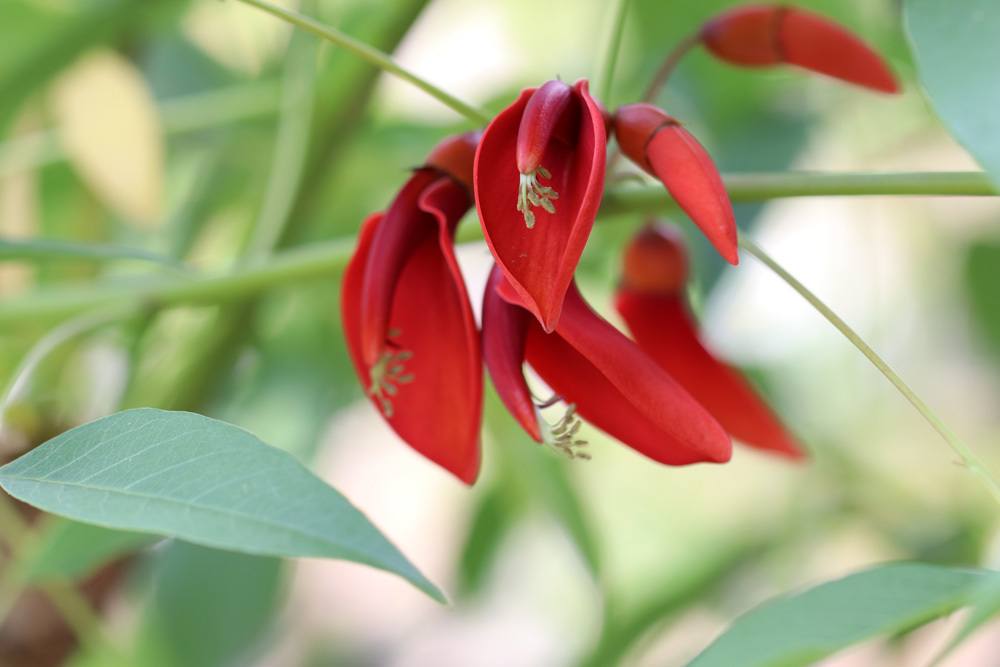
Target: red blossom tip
455, 156
660, 145
655, 261
763, 35
541, 115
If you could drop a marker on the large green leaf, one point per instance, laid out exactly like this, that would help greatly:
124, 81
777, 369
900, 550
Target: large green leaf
804, 628
184, 475
956, 49
209, 608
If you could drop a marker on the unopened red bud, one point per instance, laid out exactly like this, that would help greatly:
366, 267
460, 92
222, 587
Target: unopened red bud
655, 261
455, 157
541, 115
661, 146
762, 35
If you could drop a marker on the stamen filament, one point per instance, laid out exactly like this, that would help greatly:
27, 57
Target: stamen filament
532, 193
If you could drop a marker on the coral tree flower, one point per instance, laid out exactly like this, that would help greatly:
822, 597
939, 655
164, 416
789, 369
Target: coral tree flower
539, 177
660, 145
600, 374
407, 318
652, 302
764, 35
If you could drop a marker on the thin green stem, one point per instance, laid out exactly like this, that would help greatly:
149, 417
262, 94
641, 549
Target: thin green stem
48, 344
609, 53
668, 66
41, 250
968, 457
373, 56
324, 260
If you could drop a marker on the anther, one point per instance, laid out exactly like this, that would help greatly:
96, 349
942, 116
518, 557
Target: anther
386, 375
532, 193
561, 436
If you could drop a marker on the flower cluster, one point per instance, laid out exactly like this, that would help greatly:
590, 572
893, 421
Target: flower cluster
536, 177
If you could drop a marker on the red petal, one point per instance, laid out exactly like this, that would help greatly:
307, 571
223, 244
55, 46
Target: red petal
439, 412
815, 43
621, 390
392, 243
761, 35
538, 121
504, 330
690, 176
539, 262
663, 328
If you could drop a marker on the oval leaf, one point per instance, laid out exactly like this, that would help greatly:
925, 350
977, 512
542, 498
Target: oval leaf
956, 49
183, 475
801, 629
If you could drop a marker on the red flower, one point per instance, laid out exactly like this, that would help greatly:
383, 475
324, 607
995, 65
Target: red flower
407, 318
657, 143
600, 374
539, 177
652, 302
762, 35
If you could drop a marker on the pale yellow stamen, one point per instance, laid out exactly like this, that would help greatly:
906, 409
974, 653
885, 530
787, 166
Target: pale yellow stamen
561, 436
386, 375
532, 193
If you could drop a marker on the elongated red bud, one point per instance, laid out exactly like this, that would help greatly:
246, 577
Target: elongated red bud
660, 145
655, 261
455, 157
763, 35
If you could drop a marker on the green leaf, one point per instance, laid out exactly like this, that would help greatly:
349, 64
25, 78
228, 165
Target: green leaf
804, 628
208, 608
956, 49
982, 276
198, 479
985, 602
70, 550
491, 521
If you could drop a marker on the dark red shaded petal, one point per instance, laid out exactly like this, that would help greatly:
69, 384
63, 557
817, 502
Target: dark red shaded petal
392, 244
539, 262
504, 329
761, 35
621, 390
663, 328
439, 412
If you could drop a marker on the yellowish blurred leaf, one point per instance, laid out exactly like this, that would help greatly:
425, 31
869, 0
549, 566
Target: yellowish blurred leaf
108, 123
238, 36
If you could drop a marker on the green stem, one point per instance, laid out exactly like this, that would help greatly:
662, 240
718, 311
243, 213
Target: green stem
968, 457
373, 56
327, 259
668, 67
753, 187
609, 54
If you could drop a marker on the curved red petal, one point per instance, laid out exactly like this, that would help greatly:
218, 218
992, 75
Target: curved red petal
539, 262
818, 44
690, 176
504, 329
404, 228
664, 329
438, 413
663, 421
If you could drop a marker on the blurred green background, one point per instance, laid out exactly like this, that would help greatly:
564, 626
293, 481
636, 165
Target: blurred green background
207, 132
